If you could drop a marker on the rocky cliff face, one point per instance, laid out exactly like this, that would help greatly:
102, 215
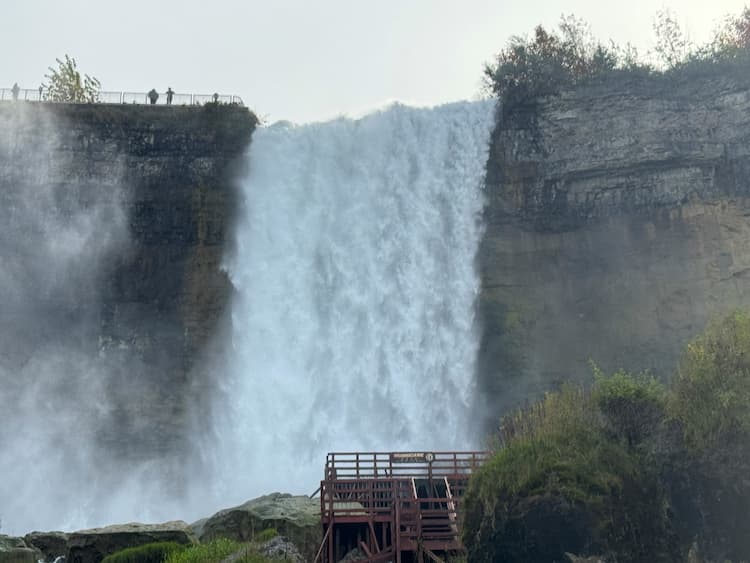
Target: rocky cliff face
115, 220
617, 225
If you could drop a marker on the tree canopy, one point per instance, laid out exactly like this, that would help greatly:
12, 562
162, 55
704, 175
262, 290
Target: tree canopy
551, 61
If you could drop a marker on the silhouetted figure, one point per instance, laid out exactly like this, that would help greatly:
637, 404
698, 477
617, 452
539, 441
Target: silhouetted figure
170, 94
41, 89
216, 97
15, 90
153, 95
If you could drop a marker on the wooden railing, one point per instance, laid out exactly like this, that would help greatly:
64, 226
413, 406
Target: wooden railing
403, 501
380, 465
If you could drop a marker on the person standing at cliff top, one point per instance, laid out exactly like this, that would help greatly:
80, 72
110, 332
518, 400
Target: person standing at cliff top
15, 90
153, 95
170, 94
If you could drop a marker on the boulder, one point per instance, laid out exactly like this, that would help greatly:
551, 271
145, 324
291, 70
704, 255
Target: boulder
577, 559
51, 544
295, 517
19, 555
15, 550
197, 527
91, 546
281, 548
278, 548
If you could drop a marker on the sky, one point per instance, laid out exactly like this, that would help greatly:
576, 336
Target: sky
306, 60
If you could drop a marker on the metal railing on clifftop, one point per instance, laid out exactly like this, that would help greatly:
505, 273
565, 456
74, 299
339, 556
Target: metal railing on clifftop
107, 97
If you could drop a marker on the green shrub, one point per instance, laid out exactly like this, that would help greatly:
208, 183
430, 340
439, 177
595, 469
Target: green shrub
147, 553
570, 474
631, 405
558, 483
217, 550
711, 393
629, 468
213, 551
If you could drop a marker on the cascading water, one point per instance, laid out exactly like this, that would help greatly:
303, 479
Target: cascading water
353, 322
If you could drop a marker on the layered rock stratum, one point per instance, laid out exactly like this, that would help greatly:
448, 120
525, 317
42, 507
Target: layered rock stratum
617, 226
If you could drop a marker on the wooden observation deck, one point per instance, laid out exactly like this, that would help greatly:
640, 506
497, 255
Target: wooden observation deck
397, 506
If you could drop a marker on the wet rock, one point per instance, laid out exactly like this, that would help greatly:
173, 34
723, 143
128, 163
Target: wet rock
295, 517
51, 544
15, 550
281, 548
591, 559
278, 548
616, 227
91, 546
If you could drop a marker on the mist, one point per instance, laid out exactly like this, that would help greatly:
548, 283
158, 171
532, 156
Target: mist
72, 453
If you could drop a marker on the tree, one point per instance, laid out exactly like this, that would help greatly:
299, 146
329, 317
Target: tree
711, 391
672, 46
64, 84
549, 62
733, 36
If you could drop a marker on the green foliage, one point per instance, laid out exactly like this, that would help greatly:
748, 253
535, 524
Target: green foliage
555, 446
266, 535
65, 84
561, 482
553, 61
556, 60
219, 549
711, 393
630, 405
628, 467
148, 553
210, 552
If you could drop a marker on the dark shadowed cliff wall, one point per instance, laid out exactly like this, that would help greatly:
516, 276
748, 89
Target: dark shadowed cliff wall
115, 221
617, 225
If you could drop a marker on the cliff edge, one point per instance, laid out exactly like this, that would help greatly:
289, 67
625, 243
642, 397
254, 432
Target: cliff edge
617, 225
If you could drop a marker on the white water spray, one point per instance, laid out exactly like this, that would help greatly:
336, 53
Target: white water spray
354, 320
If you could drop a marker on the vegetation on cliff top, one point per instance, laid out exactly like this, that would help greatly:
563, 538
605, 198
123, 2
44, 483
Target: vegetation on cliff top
627, 468
554, 60
66, 84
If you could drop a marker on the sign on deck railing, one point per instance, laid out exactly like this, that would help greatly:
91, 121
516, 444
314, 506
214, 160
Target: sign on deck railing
106, 97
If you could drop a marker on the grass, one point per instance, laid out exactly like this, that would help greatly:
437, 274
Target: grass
219, 549
148, 553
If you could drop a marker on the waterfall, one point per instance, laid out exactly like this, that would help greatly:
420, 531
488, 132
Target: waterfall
355, 278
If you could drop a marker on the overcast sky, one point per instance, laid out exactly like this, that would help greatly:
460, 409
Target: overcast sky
305, 60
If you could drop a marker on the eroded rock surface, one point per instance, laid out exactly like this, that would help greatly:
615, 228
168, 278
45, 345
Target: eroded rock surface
617, 225
91, 546
295, 517
15, 550
51, 544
